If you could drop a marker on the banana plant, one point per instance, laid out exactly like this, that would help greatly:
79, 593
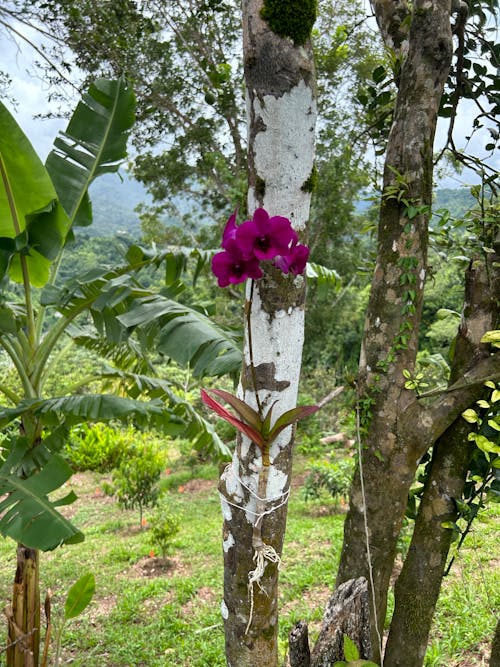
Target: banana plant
106, 310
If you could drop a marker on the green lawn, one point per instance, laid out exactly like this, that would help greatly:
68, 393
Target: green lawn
146, 614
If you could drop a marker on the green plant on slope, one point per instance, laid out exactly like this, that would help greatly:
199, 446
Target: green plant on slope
136, 480
165, 525
98, 447
333, 477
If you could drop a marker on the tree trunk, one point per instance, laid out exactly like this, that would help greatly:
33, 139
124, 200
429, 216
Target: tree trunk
347, 613
281, 120
394, 310
418, 586
24, 615
495, 648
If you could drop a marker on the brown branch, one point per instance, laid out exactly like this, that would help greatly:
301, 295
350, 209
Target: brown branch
425, 424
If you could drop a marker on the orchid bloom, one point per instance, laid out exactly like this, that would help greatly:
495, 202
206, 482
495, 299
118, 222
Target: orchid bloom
260, 239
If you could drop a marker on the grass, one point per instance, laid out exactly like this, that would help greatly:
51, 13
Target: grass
146, 615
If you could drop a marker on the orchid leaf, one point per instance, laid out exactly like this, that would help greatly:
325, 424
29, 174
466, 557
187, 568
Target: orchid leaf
219, 409
248, 414
290, 417
266, 425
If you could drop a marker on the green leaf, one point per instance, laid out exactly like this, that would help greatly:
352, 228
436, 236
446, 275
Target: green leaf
29, 211
324, 277
495, 396
79, 596
97, 408
484, 444
290, 417
492, 337
186, 335
27, 515
95, 142
470, 416
350, 649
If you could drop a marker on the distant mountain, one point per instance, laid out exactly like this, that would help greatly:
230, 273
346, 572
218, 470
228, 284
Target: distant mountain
114, 198
455, 200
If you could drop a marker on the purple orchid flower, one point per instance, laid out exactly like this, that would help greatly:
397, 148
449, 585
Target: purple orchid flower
230, 267
294, 261
229, 233
265, 237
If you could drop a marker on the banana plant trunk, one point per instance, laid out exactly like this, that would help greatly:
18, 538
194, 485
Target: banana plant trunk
24, 614
281, 114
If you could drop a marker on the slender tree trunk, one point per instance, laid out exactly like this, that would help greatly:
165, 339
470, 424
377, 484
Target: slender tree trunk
24, 615
281, 120
418, 586
390, 453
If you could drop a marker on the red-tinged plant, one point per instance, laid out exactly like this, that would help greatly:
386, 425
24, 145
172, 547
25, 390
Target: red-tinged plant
251, 424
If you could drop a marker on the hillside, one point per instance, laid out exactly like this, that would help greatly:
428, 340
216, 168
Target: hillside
115, 196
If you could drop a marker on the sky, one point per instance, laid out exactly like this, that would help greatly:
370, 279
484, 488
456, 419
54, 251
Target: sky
32, 96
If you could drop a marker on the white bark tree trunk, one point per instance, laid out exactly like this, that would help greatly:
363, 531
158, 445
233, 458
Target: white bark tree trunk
281, 112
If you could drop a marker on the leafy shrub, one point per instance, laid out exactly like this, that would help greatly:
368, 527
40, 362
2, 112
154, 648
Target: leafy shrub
98, 447
135, 483
164, 526
333, 477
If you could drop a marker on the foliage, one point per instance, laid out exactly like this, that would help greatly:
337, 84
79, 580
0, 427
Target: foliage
335, 477
36, 219
169, 618
164, 525
23, 499
98, 447
77, 600
135, 482
351, 654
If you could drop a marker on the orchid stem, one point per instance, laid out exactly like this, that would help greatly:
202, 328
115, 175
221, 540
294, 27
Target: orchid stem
250, 348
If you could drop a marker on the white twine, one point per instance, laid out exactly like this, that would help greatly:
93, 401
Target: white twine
282, 497
264, 553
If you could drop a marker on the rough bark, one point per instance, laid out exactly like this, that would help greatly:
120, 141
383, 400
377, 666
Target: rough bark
281, 115
394, 310
298, 644
418, 586
24, 615
347, 613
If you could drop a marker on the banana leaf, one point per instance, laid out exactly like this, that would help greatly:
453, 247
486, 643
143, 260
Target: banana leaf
94, 143
33, 225
26, 513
